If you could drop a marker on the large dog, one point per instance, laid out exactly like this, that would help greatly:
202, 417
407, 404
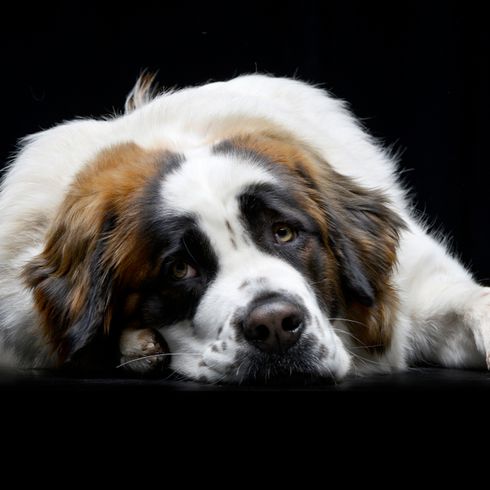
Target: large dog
244, 230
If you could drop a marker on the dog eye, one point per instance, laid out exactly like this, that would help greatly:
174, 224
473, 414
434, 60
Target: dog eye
284, 233
180, 270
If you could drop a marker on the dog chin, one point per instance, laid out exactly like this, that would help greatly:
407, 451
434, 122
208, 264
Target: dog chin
297, 368
291, 371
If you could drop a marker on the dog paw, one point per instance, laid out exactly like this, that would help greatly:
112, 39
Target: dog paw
142, 350
479, 317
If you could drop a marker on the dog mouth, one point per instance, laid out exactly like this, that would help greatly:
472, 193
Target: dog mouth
265, 376
281, 379
296, 367
251, 369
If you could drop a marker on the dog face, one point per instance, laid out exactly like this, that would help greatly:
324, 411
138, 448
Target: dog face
252, 257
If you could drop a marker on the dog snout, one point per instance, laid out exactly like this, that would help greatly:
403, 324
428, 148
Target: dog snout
273, 326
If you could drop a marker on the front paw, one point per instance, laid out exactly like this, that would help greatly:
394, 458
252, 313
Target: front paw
478, 316
142, 350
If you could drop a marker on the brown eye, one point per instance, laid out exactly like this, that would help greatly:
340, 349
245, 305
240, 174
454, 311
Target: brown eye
182, 270
284, 233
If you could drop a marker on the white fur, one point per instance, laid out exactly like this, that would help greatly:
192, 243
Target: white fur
444, 315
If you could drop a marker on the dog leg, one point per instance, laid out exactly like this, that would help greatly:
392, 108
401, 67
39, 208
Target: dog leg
142, 350
449, 312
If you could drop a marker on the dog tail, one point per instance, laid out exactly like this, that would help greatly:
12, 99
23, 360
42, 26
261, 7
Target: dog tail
143, 92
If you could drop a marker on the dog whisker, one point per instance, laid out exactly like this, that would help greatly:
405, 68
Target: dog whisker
158, 355
347, 320
350, 334
362, 359
367, 347
332, 376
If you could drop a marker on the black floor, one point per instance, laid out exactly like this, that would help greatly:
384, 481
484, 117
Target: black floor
417, 379
424, 405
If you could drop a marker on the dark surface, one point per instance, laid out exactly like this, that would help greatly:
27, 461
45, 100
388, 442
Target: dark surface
419, 379
422, 406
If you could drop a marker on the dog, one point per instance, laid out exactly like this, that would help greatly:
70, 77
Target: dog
239, 232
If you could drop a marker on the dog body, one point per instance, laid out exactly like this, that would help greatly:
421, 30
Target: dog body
248, 229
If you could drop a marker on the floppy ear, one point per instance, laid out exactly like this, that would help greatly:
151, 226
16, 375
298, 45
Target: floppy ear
91, 248
364, 235
71, 285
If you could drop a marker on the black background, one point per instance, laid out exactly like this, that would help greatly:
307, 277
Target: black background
416, 73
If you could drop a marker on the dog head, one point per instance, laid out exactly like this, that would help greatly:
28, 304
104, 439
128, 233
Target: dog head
252, 256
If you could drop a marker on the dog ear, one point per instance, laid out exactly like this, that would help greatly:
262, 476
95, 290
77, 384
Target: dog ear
92, 247
363, 233
72, 287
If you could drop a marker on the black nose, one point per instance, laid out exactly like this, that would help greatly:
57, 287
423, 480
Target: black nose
273, 326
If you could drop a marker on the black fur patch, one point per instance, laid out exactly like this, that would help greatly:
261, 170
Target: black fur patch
171, 237
264, 205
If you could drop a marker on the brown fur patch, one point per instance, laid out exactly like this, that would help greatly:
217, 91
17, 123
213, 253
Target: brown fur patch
131, 303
